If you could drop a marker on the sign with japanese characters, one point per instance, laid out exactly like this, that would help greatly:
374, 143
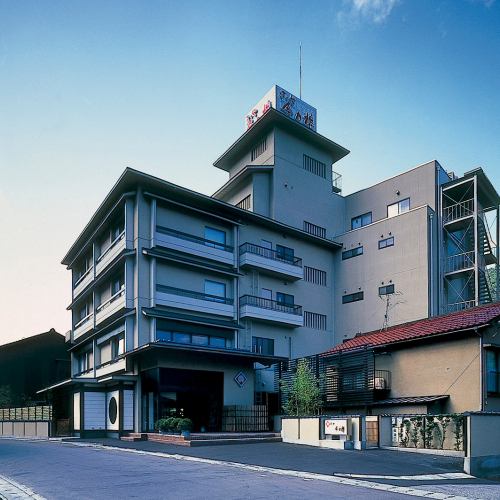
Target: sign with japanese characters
285, 103
336, 427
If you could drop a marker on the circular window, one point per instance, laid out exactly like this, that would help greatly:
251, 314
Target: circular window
112, 410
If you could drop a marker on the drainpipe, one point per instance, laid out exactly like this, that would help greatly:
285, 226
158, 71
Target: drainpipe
431, 246
481, 381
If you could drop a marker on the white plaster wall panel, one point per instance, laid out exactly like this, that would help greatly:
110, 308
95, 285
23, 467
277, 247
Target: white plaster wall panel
128, 410
84, 328
117, 248
112, 368
94, 410
113, 410
89, 278
192, 248
76, 411
110, 309
199, 305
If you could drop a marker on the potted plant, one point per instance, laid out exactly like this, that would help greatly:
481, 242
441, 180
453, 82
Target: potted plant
168, 425
173, 424
185, 425
161, 425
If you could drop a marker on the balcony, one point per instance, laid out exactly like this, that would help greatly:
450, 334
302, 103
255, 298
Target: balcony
382, 380
112, 366
270, 310
83, 281
460, 211
83, 326
193, 301
194, 245
89, 373
110, 306
271, 261
459, 262
110, 253
460, 306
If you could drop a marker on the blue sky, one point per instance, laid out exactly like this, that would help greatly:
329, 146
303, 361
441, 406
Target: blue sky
88, 88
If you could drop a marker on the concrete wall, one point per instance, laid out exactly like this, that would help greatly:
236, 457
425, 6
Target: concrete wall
28, 428
483, 445
405, 264
450, 368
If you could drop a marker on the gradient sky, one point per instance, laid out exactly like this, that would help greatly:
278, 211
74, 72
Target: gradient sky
88, 88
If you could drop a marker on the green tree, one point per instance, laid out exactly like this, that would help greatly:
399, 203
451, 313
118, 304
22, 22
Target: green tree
5, 396
302, 394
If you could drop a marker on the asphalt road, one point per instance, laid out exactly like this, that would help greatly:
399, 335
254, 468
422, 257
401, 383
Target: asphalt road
59, 471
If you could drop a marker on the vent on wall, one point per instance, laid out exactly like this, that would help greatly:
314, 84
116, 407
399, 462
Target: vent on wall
314, 166
259, 149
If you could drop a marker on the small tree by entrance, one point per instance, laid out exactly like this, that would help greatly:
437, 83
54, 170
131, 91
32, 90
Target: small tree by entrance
302, 394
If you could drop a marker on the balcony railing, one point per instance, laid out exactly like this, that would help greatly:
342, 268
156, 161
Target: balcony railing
83, 276
251, 300
336, 182
111, 245
84, 372
461, 210
458, 262
84, 320
382, 380
194, 239
270, 254
193, 295
494, 382
108, 363
113, 297
460, 306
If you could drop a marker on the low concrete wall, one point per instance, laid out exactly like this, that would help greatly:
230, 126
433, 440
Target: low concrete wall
28, 428
483, 444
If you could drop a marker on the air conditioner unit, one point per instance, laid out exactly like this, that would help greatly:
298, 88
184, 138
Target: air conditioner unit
380, 383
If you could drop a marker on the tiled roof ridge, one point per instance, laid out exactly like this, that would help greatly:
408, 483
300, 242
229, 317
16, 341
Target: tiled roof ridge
446, 323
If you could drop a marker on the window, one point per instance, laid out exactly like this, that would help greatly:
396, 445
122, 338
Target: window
117, 284
284, 299
245, 202
314, 166
352, 297
215, 237
116, 229
263, 346
190, 338
386, 290
313, 229
492, 365
388, 242
284, 253
398, 208
315, 320
217, 291
361, 220
85, 361
259, 149
348, 254
316, 276
118, 345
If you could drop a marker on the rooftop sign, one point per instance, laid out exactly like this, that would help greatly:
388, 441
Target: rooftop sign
285, 103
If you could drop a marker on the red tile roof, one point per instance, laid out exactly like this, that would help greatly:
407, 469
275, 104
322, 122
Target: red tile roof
461, 320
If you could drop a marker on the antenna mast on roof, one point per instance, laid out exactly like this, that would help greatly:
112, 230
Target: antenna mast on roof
300, 69
388, 307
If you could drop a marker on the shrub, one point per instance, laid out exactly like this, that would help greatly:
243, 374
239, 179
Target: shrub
174, 423
169, 425
184, 424
161, 425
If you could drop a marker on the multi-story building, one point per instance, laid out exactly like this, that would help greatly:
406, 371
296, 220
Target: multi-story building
177, 296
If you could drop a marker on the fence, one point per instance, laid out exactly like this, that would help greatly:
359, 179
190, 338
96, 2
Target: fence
245, 418
31, 413
33, 421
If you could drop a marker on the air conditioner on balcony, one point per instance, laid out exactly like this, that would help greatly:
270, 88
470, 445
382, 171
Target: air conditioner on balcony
380, 383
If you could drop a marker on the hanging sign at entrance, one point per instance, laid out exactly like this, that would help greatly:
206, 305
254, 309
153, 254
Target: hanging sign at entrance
240, 379
336, 427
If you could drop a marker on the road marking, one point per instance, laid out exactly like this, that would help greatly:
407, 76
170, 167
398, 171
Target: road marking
348, 481
418, 477
11, 490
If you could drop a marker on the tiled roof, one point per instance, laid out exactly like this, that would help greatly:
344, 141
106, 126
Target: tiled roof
462, 320
410, 400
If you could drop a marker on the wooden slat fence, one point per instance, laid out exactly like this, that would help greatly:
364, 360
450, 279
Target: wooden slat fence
244, 418
28, 413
